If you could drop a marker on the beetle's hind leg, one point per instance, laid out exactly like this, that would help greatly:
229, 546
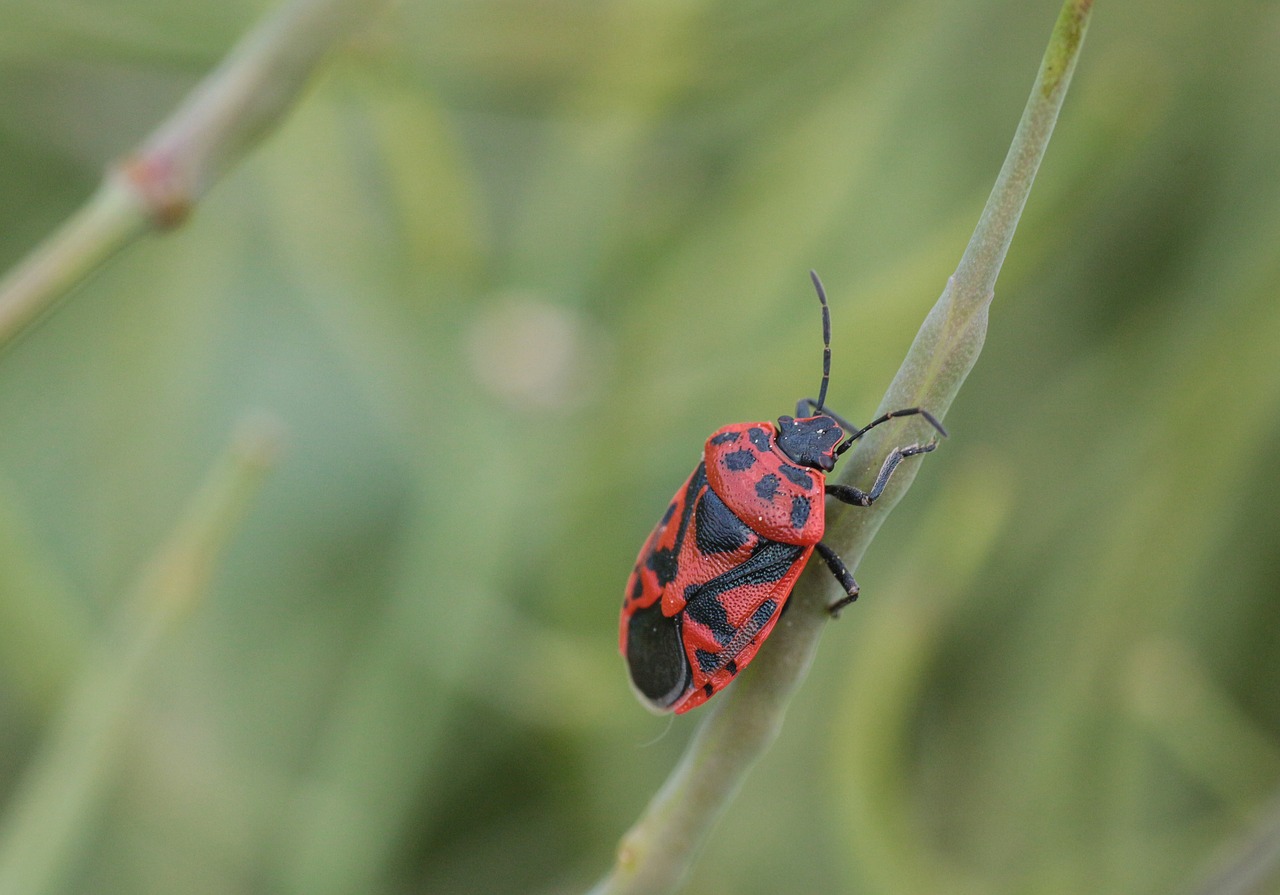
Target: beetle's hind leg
843, 575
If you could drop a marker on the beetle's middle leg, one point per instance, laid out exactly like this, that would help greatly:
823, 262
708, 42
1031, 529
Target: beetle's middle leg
843, 575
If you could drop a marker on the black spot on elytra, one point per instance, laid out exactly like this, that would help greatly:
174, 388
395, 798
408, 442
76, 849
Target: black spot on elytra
770, 562
763, 613
716, 528
706, 610
731, 666
797, 476
708, 689
799, 512
767, 486
637, 590
725, 437
707, 662
665, 563
762, 440
736, 461
656, 657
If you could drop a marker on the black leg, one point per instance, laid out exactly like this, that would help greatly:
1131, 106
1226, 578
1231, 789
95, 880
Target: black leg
860, 498
841, 571
884, 418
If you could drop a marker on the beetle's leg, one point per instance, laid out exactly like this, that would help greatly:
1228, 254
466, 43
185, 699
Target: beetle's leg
805, 406
843, 575
884, 418
860, 498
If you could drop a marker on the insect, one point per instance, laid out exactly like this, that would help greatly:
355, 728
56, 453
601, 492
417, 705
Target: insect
714, 575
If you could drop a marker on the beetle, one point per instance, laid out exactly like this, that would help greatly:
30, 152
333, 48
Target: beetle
713, 577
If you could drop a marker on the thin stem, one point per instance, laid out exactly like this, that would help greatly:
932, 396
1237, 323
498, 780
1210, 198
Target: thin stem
156, 187
112, 218
1255, 863
742, 722
978, 269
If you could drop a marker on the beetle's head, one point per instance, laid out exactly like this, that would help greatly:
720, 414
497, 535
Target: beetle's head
810, 441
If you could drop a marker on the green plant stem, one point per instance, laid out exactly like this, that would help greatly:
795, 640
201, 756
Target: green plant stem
54, 802
742, 722
1255, 863
156, 187
112, 218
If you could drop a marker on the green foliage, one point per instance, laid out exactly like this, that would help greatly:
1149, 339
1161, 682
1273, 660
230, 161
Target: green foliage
498, 275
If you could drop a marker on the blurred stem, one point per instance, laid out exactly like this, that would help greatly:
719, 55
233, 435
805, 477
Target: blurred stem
44, 630
1256, 862
54, 802
156, 187
742, 722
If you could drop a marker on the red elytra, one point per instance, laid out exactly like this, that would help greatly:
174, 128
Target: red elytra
713, 577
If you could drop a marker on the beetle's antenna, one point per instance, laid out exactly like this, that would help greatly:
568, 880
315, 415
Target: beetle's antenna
826, 342
892, 414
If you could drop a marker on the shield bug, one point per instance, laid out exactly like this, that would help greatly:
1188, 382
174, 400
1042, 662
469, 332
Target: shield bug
712, 579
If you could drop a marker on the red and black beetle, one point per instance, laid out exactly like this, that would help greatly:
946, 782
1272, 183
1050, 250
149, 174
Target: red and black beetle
713, 577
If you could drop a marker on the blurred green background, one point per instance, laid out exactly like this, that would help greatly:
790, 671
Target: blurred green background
499, 274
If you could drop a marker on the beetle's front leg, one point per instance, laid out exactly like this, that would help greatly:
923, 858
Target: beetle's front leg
860, 498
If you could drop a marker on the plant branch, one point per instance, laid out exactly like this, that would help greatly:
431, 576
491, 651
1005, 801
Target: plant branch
156, 187
742, 722
1255, 862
